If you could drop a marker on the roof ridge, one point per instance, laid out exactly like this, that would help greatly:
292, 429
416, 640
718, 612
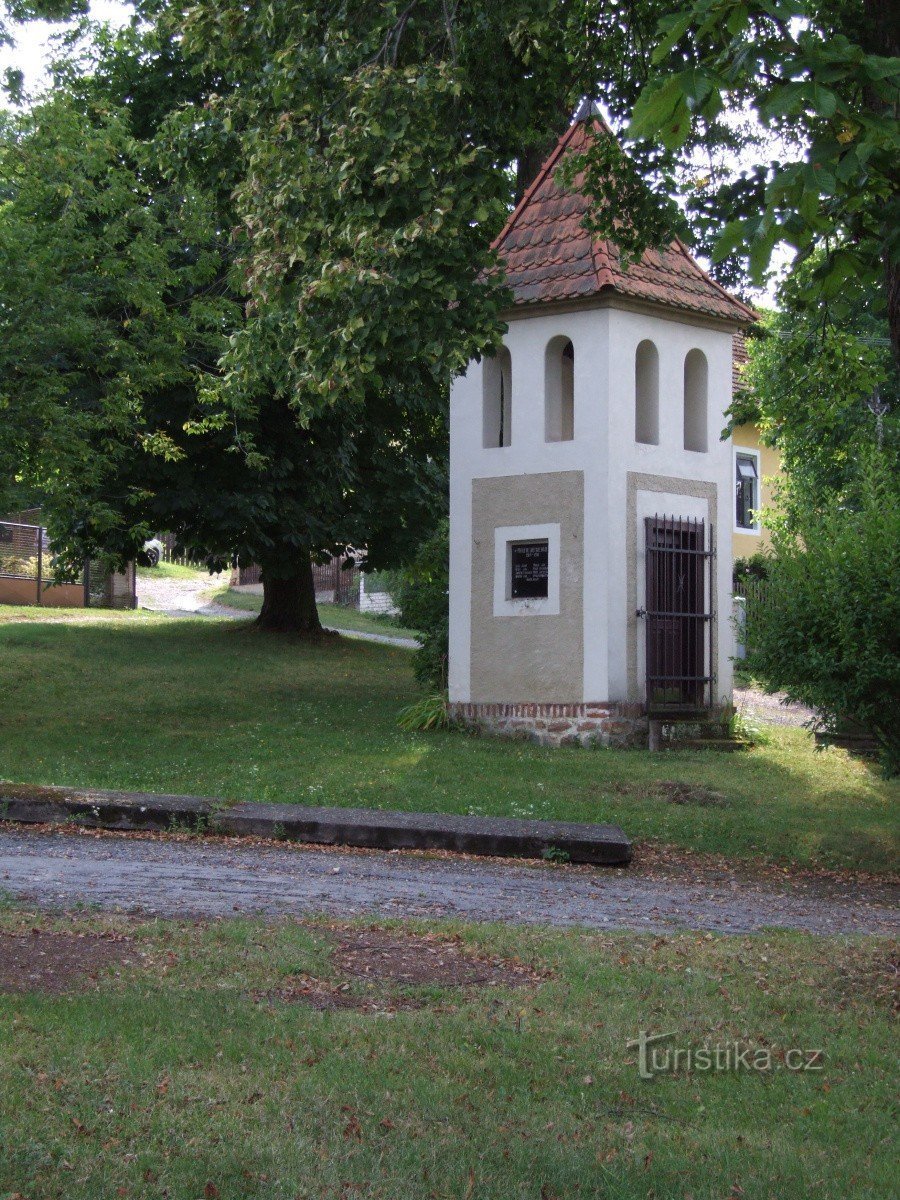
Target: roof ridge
600, 248
549, 163
548, 251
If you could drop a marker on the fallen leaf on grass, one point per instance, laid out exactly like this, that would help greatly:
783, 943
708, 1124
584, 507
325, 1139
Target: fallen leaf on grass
353, 1129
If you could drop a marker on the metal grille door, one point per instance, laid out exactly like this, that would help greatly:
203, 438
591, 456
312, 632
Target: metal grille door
679, 613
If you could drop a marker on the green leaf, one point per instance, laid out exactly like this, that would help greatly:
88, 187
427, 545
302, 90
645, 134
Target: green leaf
732, 236
658, 110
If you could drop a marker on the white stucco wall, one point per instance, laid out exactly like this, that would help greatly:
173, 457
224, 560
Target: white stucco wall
673, 340
604, 449
530, 453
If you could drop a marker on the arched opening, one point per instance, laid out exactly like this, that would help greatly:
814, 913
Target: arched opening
497, 399
696, 373
559, 390
646, 394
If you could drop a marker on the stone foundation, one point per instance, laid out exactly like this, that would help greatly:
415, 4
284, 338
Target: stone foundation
591, 724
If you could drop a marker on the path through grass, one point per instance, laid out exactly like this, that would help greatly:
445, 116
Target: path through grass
332, 616
218, 709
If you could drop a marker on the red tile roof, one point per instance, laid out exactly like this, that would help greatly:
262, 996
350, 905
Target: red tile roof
739, 359
548, 254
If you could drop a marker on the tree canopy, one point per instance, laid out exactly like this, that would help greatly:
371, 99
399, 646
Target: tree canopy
123, 285
242, 321
824, 393
103, 272
823, 81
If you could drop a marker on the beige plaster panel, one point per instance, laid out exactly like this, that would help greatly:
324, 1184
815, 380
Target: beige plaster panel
534, 657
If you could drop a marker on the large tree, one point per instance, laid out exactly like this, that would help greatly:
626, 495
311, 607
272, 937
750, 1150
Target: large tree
119, 247
333, 276
346, 167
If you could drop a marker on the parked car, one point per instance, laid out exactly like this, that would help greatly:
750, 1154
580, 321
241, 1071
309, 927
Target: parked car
153, 552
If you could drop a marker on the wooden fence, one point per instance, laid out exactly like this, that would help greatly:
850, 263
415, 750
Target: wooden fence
335, 581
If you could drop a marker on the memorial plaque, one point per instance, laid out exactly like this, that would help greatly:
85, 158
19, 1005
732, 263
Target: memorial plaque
529, 570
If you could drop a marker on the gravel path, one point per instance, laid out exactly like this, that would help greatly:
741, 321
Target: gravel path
221, 878
770, 707
185, 598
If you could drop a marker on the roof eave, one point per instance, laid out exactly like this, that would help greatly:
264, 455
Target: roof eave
610, 297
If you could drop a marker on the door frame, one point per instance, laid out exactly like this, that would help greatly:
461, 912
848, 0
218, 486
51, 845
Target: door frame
679, 555
646, 494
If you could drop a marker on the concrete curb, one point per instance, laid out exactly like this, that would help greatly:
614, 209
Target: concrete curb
604, 845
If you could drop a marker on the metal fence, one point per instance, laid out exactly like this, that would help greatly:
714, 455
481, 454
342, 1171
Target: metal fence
751, 588
338, 579
27, 574
750, 594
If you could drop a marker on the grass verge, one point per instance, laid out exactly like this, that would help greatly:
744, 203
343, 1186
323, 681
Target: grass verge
179, 1072
332, 616
218, 709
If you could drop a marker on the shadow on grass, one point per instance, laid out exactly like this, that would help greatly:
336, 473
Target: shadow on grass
206, 707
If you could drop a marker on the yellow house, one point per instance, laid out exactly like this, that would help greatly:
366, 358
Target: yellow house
754, 467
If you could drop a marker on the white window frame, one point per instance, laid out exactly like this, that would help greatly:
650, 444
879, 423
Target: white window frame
537, 606
756, 529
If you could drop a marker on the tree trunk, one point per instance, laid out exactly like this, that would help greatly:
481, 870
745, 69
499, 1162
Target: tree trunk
289, 603
528, 163
880, 34
892, 271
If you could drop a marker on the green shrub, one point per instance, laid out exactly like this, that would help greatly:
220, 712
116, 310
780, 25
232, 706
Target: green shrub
19, 564
429, 713
756, 567
382, 581
422, 595
827, 627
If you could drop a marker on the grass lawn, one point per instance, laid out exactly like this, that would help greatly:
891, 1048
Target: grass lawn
166, 570
333, 616
179, 1074
218, 709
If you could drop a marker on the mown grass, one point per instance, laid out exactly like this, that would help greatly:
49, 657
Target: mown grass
332, 616
218, 709
171, 1080
166, 570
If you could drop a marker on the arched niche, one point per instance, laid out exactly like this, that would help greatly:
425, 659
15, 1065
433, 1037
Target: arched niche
696, 387
559, 390
646, 394
497, 399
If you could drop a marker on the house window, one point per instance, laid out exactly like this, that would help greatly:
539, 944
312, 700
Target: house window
559, 390
497, 399
696, 378
646, 394
746, 490
529, 570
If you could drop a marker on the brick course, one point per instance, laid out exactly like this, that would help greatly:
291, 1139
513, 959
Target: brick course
591, 724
